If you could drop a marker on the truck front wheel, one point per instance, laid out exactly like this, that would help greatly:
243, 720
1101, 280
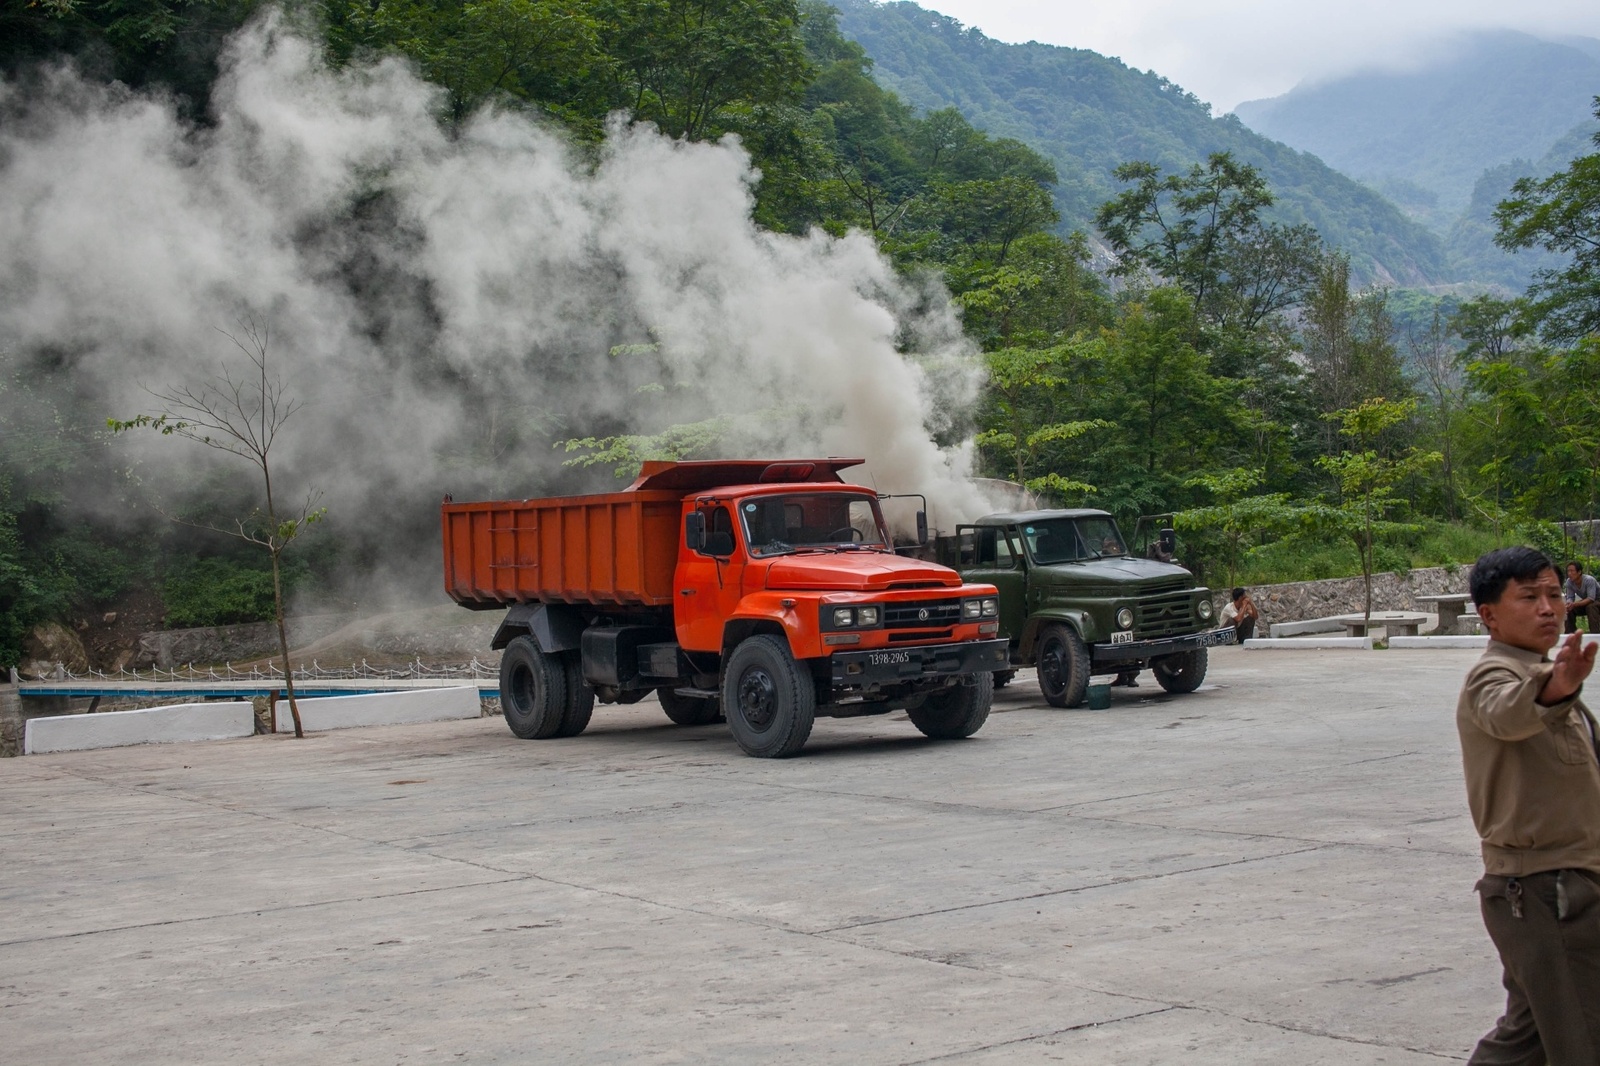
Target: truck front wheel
1063, 666
956, 712
769, 700
1182, 672
533, 690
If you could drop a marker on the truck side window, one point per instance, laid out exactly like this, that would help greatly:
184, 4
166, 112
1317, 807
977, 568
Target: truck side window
719, 532
1003, 557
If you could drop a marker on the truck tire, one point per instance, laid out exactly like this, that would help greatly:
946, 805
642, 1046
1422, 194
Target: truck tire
533, 690
1182, 672
1063, 666
580, 698
1002, 678
688, 710
956, 712
769, 700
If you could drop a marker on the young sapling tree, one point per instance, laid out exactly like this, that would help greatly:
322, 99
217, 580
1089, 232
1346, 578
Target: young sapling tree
240, 413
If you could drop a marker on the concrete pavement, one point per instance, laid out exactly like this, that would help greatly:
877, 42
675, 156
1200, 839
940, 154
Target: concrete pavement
1277, 868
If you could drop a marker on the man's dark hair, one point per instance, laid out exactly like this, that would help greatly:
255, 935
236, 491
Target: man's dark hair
1237, 592
1495, 569
1577, 565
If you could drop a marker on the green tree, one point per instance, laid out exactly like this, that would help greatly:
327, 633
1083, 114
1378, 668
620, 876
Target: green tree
1239, 516
1367, 476
1203, 232
1561, 214
539, 51
1024, 385
696, 68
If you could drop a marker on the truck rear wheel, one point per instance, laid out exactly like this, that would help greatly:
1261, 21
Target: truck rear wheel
688, 710
533, 690
1182, 672
1063, 666
579, 706
956, 712
769, 700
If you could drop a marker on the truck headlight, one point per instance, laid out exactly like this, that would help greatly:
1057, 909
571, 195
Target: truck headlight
971, 609
1203, 609
991, 608
1125, 617
844, 617
866, 616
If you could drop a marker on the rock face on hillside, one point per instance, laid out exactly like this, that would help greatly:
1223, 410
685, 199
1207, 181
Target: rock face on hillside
53, 645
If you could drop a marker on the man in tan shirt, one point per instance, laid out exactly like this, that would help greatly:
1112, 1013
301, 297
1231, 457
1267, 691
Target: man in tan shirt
1528, 746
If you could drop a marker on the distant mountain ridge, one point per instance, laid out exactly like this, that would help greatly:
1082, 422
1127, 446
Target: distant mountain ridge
1425, 136
1089, 113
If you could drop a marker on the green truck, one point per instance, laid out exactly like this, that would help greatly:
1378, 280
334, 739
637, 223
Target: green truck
1074, 601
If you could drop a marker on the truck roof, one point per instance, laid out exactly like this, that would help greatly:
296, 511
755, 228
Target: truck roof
699, 475
1008, 518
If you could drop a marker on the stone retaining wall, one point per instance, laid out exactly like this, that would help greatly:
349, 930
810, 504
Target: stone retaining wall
1300, 600
168, 648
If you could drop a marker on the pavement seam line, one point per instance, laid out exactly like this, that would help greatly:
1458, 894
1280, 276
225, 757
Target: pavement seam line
1070, 891
1038, 1036
1323, 1033
257, 911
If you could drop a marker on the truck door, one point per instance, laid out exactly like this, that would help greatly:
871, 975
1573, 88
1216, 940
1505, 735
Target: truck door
990, 554
708, 583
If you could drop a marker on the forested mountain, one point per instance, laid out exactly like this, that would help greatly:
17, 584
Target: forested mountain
1424, 136
1089, 114
1470, 241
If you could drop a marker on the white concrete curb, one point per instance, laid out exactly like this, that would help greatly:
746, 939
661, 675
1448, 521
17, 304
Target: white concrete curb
1307, 643
150, 725
1459, 640
381, 708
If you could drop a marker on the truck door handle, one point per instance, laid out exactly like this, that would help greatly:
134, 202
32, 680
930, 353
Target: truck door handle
687, 592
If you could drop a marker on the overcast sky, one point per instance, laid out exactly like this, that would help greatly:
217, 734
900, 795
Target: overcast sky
1226, 51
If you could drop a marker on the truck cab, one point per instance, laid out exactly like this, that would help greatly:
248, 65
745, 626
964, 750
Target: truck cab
765, 593
1075, 602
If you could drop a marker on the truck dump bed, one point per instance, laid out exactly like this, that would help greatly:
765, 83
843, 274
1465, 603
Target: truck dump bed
619, 547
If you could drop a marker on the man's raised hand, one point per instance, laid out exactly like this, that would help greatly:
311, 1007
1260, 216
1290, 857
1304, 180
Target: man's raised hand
1572, 664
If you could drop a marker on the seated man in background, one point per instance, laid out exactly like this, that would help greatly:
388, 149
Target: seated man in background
1241, 614
1581, 591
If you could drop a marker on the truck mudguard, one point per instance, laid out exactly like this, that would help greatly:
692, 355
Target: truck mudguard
1080, 621
555, 626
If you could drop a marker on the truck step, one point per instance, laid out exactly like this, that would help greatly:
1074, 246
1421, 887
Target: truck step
699, 693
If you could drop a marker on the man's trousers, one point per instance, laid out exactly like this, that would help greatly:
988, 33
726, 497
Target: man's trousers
1547, 929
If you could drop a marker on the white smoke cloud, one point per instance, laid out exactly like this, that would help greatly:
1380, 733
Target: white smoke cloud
445, 303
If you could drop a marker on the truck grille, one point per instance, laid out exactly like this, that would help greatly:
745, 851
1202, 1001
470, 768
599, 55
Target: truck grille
1168, 615
910, 615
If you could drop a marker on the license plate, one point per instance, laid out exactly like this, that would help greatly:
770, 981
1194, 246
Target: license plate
1215, 637
1123, 637
888, 658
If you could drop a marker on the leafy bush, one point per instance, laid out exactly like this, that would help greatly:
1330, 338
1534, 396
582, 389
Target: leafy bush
216, 592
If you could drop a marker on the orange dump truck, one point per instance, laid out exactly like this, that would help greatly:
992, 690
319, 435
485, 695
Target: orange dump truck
764, 592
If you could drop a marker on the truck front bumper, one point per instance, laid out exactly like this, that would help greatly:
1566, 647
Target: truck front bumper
919, 662
1155, 649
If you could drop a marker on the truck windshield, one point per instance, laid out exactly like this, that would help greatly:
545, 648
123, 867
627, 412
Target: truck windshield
1065, 540
775, 524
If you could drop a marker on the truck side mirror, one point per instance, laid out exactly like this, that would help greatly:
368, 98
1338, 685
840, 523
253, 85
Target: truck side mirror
1169, 541
694, 530
922, 528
